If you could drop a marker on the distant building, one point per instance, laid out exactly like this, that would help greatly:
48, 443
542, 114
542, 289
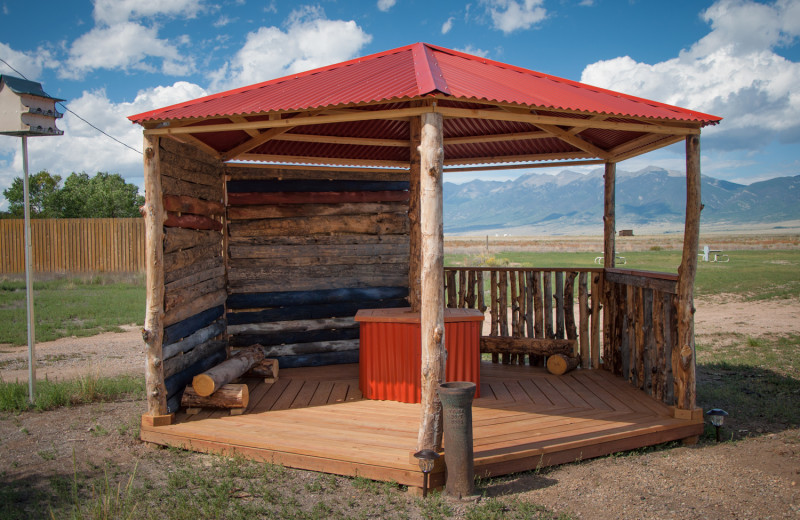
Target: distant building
626, 232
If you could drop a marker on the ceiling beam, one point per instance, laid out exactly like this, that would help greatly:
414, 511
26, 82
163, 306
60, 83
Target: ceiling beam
502, 115
357, 115
334, 139
300, 159
666, 141
521, 136
248, 145
555, 164
518, 158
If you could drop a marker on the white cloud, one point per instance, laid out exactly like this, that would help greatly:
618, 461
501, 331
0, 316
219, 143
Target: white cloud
447, 25
110, 12
469, 49
511, 15
82, 148
586, 3
124, 46
385, 5
29, 64
309, 41
732, 72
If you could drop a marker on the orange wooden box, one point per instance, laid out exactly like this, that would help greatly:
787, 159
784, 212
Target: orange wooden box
390, 351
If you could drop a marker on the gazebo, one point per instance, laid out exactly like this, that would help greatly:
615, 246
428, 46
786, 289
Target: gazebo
276, 211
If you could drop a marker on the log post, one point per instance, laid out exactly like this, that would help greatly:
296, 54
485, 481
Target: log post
414, 235
431, 151
153, 331
683, 357
609, 215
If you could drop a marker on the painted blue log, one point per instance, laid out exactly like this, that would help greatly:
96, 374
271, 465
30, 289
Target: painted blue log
292, 298
191, 324
178, 382
279, 338
311, 312
316, 360
302, 185
194, 339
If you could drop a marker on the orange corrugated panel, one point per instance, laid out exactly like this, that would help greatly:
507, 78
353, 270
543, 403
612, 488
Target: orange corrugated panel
391, 353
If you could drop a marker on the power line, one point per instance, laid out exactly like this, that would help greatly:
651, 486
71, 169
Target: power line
66, 109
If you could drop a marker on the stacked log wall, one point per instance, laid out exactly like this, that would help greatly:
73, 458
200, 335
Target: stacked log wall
194, 267
642, 328
308, 249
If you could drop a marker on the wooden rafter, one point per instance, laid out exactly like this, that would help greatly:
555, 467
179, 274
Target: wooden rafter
575, 141
520, 136
661, 143
190, 139
248, 145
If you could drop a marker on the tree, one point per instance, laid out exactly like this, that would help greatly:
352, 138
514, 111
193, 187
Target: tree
43, 191
103, 196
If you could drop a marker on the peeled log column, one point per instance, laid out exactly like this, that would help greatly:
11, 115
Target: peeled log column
413, 219
431, 151
153, 331
683, 357
609, 224
212, 380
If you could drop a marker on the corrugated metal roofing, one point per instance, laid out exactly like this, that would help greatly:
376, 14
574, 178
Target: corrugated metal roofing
414, 71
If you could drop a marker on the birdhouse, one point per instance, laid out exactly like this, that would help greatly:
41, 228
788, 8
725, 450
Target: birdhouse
25, 109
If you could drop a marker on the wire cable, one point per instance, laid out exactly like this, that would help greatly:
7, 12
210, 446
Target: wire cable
66, 109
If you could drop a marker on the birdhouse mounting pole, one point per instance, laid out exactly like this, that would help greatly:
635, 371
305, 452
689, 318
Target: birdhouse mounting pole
29, 274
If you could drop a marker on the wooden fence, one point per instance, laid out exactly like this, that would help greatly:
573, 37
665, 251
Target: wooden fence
81, 245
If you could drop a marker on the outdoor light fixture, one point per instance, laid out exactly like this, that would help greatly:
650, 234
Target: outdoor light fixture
427, 459
717, 417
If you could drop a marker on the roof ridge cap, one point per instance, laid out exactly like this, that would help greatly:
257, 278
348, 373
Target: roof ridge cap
426, 68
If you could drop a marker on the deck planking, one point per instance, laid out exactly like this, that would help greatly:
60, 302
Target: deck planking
316, 419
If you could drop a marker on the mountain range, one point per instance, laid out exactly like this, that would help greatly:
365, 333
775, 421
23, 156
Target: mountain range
572, 202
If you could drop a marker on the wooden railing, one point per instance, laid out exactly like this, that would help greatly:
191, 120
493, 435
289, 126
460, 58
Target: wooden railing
640, 327
639, 317
533, 303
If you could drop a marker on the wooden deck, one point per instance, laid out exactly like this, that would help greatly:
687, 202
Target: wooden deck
316, 419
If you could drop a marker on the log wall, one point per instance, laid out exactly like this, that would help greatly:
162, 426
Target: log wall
641, 330
194, 267
307, 249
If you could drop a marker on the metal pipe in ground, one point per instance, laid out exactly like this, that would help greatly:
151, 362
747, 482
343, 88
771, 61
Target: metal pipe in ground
459, 461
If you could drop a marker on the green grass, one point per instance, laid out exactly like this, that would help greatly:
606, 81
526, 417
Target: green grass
71, 307
756, 380
53, 394
753, 274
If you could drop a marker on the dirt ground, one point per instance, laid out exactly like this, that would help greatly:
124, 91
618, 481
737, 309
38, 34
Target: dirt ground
755, 477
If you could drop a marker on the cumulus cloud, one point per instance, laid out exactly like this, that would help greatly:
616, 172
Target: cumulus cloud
385, 5
30, 64
119, 42
125, 46
447, 25
81, 148
110, 12
733, 72
512, 15
310, 40
469, 49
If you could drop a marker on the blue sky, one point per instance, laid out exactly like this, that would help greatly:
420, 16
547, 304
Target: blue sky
112, 58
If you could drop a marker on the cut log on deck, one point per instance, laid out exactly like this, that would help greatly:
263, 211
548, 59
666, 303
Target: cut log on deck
228, 396
211, 380
266, 368
559, 364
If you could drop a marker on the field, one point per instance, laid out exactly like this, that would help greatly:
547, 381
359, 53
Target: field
79, 457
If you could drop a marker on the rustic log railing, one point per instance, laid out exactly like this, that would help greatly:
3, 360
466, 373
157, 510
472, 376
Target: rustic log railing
639, 318
641, 329
534, 303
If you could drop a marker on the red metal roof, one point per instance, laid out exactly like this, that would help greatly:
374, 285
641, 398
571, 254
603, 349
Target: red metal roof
414, 71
